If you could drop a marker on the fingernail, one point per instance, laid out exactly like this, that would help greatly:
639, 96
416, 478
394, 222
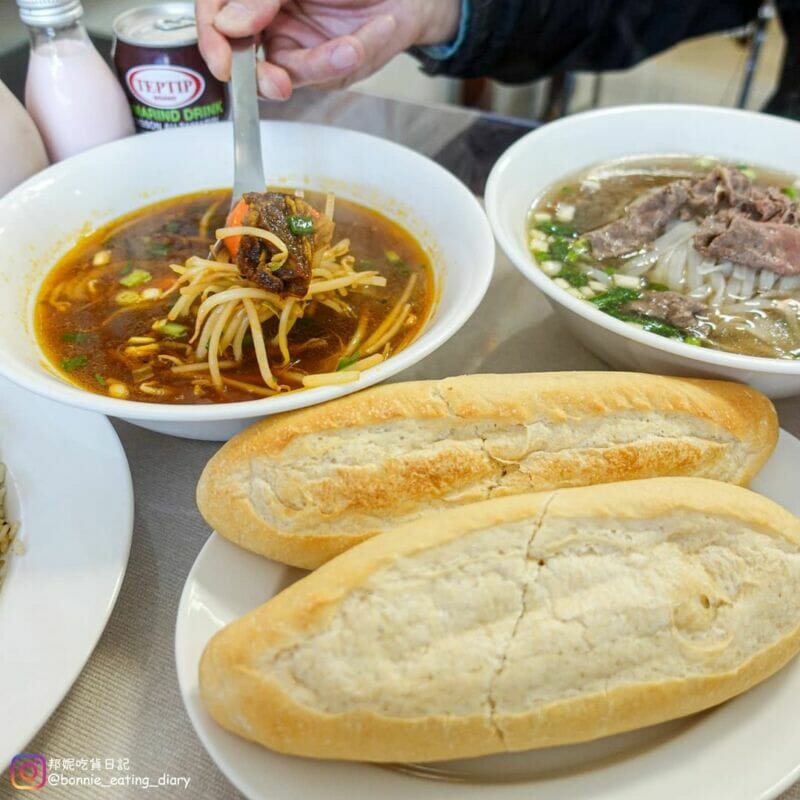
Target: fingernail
234, 14
344, 57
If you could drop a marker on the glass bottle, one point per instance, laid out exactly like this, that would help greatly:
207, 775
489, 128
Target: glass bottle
70, 91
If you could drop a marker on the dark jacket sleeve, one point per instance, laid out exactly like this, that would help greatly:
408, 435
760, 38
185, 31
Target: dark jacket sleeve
521, 40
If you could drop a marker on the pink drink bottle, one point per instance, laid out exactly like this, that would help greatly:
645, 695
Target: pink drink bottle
71, 93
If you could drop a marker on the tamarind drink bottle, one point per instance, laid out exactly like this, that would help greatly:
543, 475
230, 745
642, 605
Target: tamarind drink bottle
162, 72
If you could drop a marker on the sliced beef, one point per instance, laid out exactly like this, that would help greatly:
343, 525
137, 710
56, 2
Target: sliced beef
644, 220
679, 310
271, 211
725, 188
733, 236
722, 188
770, 205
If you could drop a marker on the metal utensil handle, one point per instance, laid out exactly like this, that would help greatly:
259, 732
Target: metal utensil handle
248, 162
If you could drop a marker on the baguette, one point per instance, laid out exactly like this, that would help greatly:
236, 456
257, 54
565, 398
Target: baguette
522, 622
303, 487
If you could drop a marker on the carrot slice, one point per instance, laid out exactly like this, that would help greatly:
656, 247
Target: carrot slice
234, 220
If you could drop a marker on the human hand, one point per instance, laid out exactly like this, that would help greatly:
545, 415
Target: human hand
320, 42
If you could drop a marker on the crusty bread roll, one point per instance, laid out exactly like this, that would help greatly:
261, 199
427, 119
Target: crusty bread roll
515, 623
303, 487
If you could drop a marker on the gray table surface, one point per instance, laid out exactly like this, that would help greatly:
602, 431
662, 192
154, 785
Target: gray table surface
126, 706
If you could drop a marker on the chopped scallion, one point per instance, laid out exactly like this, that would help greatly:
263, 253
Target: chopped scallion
393, 257
790, 192
135, 278
300, 225
127, 298
73, 363
157, 249
77, 337
173, 329
99, 379
348, 361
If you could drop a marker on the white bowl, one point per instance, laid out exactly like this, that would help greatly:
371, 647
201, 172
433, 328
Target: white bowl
562, 148
41, 220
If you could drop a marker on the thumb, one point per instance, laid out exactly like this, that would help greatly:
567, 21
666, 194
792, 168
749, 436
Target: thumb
240, 18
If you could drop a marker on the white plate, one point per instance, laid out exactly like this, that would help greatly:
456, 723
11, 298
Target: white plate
746, 749
70, 487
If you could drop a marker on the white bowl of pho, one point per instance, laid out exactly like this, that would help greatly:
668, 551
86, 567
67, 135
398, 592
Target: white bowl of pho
136, 286
667, 236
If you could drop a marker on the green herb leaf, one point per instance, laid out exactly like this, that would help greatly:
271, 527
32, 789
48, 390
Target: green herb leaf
559, 250
659, 327
613, 299
135, 278
365, 263
695, 340
73, 363
348, 361
77, 337
790, 192
300, 225
247, 339
127, 268
99, 379
657, 287
172, 227
556, 228
574, 276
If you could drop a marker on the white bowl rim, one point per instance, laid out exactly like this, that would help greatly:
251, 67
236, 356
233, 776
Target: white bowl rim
55, 388
524, 263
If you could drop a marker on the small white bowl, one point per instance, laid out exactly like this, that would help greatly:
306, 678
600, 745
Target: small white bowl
565, 147
42, 219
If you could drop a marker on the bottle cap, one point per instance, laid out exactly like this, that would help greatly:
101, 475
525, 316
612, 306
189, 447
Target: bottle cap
49, 13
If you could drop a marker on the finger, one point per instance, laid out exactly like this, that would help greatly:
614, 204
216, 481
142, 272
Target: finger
240, 18
213, 45
339, 58
274, 82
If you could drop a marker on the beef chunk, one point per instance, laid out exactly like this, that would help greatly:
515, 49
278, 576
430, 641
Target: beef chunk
725, 188
769, 205
722, 188
679, 310
271, 211
644, 221
733, 236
